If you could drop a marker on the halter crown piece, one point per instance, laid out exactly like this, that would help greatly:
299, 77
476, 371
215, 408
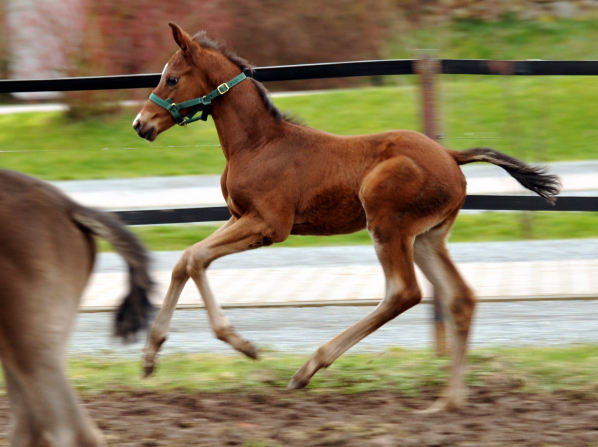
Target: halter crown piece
202, 104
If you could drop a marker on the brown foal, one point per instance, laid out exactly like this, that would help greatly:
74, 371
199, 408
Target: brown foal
282, 178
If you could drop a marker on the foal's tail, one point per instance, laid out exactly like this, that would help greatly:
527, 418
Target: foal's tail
135, 311
534, 178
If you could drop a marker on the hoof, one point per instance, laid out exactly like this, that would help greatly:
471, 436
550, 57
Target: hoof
296, 384
439, 406
247, 348
148, 371
252, 353
432, 409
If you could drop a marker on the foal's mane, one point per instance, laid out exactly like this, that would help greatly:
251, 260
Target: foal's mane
208, 42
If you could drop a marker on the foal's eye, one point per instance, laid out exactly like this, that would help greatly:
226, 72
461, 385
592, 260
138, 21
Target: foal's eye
172, 81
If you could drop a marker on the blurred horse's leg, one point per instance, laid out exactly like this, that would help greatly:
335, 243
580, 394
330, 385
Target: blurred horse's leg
23, 426
44, 408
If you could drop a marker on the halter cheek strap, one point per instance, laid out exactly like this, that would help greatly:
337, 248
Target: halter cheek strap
202, 104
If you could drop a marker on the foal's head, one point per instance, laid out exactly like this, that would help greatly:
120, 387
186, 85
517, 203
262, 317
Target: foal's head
192, 72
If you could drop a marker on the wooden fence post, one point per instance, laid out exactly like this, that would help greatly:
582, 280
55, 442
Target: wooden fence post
428, 67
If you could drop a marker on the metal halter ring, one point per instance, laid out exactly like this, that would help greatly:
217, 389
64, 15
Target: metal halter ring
222, 92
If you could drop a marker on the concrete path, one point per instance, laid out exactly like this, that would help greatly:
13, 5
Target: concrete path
533, 270
532, 278
302, 330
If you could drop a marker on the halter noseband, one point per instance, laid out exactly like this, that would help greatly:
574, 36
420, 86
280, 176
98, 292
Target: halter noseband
202, 104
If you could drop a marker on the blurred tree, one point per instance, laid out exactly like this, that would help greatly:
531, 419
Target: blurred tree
43, 35
91, 59
4, 53
3, 41
109, 37
132, 37
274, 32
279, 32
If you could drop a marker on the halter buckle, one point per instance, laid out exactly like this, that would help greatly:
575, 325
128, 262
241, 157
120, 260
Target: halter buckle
225, 88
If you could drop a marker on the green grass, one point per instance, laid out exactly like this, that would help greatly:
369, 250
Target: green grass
571, 369
102, 148
509, 39
520, 226
482, 227
530, 118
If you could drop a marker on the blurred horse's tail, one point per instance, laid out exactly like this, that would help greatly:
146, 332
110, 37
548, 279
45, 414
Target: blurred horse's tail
135, 311
534, 178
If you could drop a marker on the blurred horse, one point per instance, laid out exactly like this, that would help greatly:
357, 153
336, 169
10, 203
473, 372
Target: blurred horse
47, 252
283, 178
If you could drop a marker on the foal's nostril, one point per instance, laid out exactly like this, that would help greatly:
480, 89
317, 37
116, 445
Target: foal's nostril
138, 128
146, 132
144, 129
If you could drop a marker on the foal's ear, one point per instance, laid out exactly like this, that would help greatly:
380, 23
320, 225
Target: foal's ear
182, 39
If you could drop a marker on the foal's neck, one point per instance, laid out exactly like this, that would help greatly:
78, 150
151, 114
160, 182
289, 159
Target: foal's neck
240, 115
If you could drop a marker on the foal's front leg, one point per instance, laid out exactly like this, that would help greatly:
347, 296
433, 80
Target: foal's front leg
159, 331
248, 232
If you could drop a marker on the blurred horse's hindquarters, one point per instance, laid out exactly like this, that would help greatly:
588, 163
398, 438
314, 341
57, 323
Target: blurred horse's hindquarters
47, 253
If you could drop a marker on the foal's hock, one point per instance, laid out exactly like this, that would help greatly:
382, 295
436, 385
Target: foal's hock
47, 252
282, 178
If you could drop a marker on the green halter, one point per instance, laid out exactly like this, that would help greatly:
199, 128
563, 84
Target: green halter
202, 104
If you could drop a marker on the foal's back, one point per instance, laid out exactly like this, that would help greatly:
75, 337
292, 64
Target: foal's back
322, 176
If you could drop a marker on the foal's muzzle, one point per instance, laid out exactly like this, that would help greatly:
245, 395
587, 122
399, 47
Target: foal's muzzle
147, 132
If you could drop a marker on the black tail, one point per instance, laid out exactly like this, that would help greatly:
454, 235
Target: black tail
534, 178
136, 310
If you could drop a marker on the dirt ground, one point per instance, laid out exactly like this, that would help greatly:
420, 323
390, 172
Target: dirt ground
494, 417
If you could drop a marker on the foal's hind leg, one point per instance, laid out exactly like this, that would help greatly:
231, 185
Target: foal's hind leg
402, 293
432, 258
245, 233
392, 226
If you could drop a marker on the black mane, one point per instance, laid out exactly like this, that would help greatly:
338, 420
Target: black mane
208, 42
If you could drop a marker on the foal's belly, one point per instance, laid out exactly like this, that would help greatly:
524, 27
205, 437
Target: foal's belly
329, 214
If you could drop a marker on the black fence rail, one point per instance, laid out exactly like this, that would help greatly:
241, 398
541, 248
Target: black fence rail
319, 71
336, 70
472, 202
